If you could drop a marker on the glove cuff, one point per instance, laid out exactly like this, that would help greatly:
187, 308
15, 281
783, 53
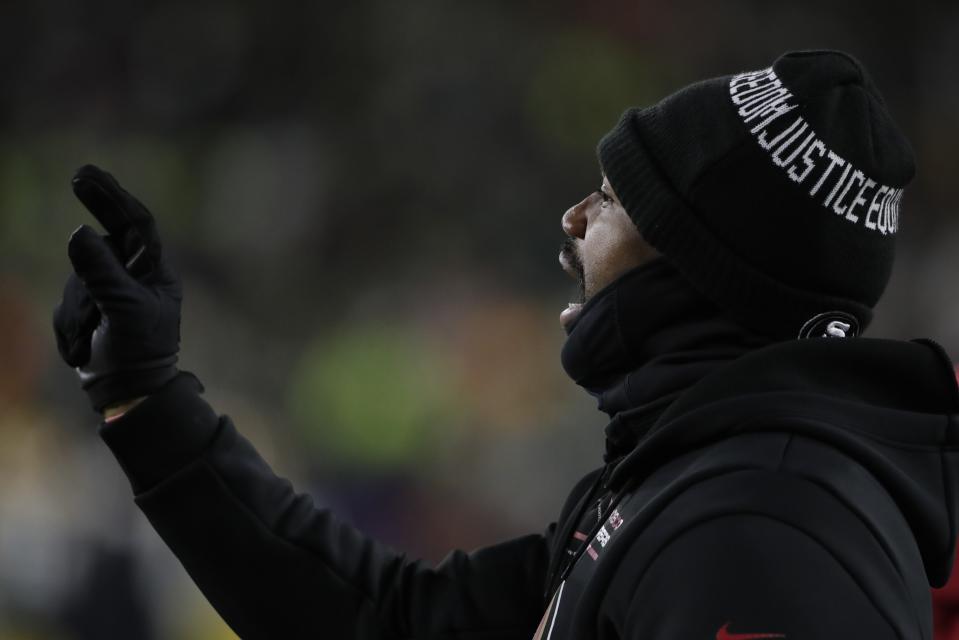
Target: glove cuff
122, 386
163, 434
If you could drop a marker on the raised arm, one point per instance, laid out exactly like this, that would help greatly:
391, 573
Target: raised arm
270, 562
276, 566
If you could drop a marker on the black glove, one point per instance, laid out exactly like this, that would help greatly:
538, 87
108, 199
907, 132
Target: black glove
119, 321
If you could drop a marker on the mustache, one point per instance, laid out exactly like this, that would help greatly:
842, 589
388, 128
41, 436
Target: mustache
571, 254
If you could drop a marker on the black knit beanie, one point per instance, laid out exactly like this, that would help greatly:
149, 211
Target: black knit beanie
775, 192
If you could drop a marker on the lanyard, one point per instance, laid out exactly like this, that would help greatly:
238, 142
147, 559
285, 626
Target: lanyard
556, 622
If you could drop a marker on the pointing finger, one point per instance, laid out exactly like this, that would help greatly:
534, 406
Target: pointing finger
123, 217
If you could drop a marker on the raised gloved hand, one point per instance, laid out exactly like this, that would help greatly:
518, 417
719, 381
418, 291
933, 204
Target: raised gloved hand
119, 321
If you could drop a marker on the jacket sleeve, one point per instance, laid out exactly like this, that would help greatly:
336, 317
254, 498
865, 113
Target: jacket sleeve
749, 576
276, 566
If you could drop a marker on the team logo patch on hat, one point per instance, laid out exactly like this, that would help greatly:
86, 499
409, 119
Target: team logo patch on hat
763, 102
831, 324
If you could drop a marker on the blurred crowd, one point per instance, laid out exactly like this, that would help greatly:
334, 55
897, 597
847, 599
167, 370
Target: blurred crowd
363, 201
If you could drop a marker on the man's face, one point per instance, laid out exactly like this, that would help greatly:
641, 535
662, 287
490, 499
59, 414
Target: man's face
603, 244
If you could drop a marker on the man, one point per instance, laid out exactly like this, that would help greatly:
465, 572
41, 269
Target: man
768, 473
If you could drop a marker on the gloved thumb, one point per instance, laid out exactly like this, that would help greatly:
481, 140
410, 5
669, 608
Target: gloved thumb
95, 263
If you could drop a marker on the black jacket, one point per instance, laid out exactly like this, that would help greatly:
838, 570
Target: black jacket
807, 489
804, 490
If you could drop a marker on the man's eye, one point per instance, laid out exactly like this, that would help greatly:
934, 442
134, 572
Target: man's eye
604, 196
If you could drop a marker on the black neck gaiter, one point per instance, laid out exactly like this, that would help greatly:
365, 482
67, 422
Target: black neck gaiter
641, 341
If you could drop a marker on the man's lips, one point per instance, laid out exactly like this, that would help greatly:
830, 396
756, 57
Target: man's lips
571, 312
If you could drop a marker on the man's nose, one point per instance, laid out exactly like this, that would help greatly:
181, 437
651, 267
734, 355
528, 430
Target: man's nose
574, 220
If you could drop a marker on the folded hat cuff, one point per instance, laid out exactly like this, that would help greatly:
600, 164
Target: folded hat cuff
671, 225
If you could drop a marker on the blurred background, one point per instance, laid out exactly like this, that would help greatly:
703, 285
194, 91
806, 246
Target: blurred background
363, 199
